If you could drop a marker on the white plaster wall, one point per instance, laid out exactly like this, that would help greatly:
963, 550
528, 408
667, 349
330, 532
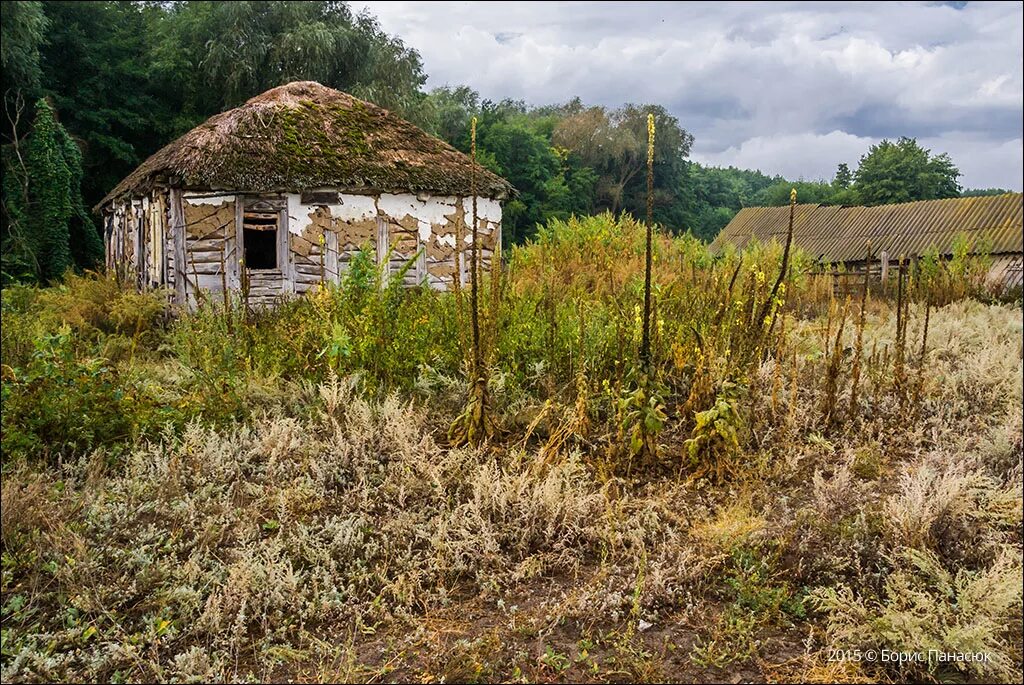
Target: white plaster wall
428, 211
211, 200
355, 208
299, 217
487, 209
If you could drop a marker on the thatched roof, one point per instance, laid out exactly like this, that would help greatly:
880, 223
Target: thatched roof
841, 233
303, 135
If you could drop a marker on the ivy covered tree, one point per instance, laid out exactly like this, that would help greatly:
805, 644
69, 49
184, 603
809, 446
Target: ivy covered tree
49, 229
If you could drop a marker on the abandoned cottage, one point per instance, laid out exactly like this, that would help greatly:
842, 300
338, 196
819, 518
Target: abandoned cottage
277, 196
842, 235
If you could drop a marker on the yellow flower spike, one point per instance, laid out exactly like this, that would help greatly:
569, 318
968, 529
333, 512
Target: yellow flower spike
792, 196
650, 136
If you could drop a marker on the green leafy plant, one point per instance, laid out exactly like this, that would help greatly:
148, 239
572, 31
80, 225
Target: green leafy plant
714, 443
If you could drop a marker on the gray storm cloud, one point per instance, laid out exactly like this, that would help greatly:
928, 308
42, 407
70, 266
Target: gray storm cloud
790, 88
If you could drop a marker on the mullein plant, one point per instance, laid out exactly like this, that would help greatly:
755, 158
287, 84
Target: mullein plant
476, 423
714, 443
858, 347
642, 411
765, 322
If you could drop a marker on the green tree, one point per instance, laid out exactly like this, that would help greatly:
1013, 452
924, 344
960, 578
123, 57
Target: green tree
614, 144
451, 110
44, 202
809, 192
23, 28
215, 55
516, 151
903, 171
983, 192
711, 196
844, 177
96, 72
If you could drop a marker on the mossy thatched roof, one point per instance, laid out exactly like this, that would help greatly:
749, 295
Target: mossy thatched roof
303, 135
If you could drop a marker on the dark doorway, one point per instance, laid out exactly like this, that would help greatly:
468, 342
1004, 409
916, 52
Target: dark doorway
260, 235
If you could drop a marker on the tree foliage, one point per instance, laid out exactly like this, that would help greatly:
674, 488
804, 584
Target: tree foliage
903, 171
215, 55
844, 177
983, 192
126, 78
23, 26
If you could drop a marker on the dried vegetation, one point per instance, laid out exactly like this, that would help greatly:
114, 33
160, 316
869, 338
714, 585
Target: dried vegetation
236, 494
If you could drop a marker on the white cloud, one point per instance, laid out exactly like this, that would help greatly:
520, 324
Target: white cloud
808, 156
806, 82
984, 163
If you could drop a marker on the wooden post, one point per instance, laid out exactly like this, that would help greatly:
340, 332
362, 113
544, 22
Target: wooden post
884, 258
235, 260
178, 236
383, 249
323, 259
284, 254
223, 276
331, 247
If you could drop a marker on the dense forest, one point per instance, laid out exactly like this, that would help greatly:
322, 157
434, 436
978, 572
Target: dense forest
93, 88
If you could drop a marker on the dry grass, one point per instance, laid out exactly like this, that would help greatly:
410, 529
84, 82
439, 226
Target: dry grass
337, 535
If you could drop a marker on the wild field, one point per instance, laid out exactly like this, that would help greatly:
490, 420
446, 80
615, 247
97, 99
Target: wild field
799, 486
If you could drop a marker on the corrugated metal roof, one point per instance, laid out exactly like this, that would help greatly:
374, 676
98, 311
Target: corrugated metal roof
840, 234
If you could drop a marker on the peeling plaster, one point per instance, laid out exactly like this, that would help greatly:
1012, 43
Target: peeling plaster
355, 208
487, 209
215, 200
299, 217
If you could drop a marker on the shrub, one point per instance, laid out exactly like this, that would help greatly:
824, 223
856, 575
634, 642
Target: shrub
58, 405
925, 606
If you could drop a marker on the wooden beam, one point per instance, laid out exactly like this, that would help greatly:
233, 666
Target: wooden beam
177, 214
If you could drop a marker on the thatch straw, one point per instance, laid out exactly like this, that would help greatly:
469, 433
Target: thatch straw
303, 135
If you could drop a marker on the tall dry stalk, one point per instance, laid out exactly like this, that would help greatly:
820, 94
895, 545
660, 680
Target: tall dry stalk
474, 276
899, 370
834, 367
475, 424
645, 344
919, 386
858, 347
766, 308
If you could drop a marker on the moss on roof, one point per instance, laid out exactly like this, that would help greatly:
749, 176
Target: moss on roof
304, 135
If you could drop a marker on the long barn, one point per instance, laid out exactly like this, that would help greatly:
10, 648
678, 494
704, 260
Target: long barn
841, 234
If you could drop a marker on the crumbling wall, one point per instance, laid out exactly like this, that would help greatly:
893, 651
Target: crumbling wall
211, 253
135, 239
397, 228
192, 241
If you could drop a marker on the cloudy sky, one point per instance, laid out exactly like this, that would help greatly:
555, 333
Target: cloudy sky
789, 88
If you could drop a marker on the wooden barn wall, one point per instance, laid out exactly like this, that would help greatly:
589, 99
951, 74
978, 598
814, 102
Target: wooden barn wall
1007, 270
